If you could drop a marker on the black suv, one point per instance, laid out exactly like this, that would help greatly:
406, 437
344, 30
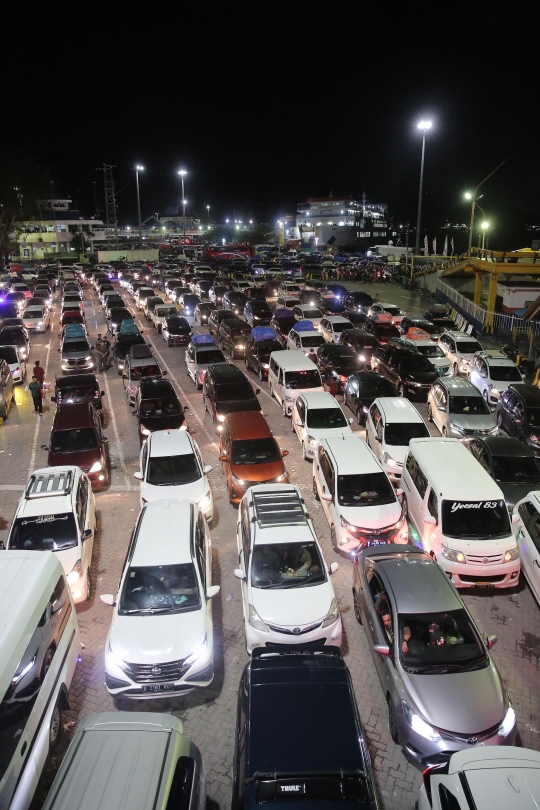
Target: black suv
518, 413
361, 341
227, 390
362, 389
157, 407
322, 760
510, 463
257, 355
282, 325
433, 330
232, 336
411, 374
214, 321
337, 362
358, 300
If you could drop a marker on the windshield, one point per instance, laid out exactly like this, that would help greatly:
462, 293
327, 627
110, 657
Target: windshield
178, 326
504, 374
413, 363
321, 418
44, 533
302, 379
160, 406
239, 331
164, 312
341, 326
139, 372
515, 470
160, 589
255, 451
435, 642
9, 354
483, 520
401, 433
166, 471
386, 330
393, 310
286, 565
367, 489
312, 313
468, 347
76, 346
432, 351
14, 336
468, 405
211, 356
78, 393
74, 441
311, 341
234, 392
346, 365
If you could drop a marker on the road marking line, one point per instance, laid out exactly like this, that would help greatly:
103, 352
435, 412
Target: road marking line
116, 434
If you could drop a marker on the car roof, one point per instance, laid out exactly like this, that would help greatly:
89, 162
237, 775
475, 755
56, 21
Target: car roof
398, 409
74, 415
157, 387
418, 584
351, 454
292, 360
319, 399
227, 373
449, 465
336, 319
163, 536
337, 348
528, 393
457, 385
248, 425
459, 335
172, 442
505, 446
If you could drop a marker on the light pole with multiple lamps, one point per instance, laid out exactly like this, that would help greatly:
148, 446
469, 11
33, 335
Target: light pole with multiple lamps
137, 170
182, 173
422, 125
473, 198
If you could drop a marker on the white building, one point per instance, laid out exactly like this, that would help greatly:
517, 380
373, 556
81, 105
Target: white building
52, 231
342, 222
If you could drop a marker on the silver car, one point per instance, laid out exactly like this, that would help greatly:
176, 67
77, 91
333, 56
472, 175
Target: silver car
458, 409
443, 689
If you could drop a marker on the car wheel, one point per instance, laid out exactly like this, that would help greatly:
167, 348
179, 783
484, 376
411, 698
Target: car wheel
499, 419
4, 411
356, 606
271, 390
401, 390
261, 375
392, 721
315, 493
169, 343
333, 538
455, 369
360, 417
56, 726
429, 413
444, 432
88, 585
485, 395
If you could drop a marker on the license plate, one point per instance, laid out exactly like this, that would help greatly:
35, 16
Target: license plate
484, 585
158, 687
376, 543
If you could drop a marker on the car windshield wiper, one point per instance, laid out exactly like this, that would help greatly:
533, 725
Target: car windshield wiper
150, 609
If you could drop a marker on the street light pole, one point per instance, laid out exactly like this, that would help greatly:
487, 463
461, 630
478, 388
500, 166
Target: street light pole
137, 170
182, 172
485, 226
472, 197
423, 125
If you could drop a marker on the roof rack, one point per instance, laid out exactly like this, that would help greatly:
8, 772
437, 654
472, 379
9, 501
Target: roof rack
44, 485
279, 508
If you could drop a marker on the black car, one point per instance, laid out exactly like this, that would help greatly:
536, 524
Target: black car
256, 294
332, 305
258, 312
364, 343
121, 347
441, 324
215, 319
311, 298
203, 287
510, 463
257, 355
113, 301
518, 413
115, 316
355, 316
176, 331
433, 330
322, 761
227, 390
79, 388
282, 325
358, 300
362, 389
337, 362
232, 336
271, 288
382, 331
235, 302
16, 336
157, 407
411, 374
203, 310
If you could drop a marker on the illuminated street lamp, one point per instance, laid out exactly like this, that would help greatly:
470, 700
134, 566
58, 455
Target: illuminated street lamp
423, 126
484, 226
473, 198
137, 170
182, 174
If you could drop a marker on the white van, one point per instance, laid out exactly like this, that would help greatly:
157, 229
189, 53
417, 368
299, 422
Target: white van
39, 647
289, 374
390, 425
460, 514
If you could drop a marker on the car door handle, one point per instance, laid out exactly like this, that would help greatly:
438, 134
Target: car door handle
535, 562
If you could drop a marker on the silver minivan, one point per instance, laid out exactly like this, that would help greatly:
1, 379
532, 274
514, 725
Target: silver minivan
6, 389
458, 409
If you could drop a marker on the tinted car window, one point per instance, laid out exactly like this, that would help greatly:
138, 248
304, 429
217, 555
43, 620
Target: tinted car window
368, 489
44, 533
482, 520
401, 433
173, 470
74, 441
255, 451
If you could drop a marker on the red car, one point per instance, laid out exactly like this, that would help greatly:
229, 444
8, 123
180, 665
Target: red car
77, 438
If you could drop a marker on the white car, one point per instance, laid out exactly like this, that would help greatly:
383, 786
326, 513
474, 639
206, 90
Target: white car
332, 326
305, 312
460, 349
498, 778
199, 356
57, 512
287, 302
159, 315
36, 319
305, 340
492, 372
289, 288
171, 466
315, 415
17, 364
287, 595
394, 311
160, 643
526, 527
358, 499
390, 425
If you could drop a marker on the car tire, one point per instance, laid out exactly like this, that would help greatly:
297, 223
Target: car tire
401, 390
444, 432
455, 369
429, 413
333, 538
261, 375
356, 607
485, 395
88, 585
315, 493
56, 726
4, 411
500, 420
392, 721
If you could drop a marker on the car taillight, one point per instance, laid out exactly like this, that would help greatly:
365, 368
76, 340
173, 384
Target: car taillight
427, 774
342, 378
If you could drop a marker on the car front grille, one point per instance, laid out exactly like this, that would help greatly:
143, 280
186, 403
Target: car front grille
296, 631
467, 738
484, 559
155, 673
472, 432
481, 580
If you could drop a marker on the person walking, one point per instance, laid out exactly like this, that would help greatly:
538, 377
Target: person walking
38, 372
333, 386
98, 355
35, 389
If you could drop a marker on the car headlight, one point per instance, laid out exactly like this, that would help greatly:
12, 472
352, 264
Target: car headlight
204, 502
312, 440
392, 462
256, 621
511, 554
144, 430
362, 357
494, 430
96, 467
332, 615
239, 481
113, 659
75, 573
534, 438
494, 391
508, 723
414, 384
197, 654
349, 526
88, 357
40, 323
457, 428
282, 477
220, 417
419, 725
289, 399
453, 555
265, 365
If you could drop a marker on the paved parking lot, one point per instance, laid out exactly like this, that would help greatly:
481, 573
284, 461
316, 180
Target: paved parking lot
209, 716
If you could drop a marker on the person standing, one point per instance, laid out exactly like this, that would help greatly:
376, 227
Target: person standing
333, 386
35, 389
38, 372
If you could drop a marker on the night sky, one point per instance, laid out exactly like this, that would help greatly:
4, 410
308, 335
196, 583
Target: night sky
266, 105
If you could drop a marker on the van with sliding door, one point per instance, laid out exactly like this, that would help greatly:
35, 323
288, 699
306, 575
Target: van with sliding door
291, 373
39, 647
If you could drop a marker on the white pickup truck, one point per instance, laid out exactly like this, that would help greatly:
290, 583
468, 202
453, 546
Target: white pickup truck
160, 314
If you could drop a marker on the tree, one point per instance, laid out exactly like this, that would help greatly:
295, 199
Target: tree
23, 181
80, 242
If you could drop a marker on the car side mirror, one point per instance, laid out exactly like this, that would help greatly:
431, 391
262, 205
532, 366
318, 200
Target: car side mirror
108, 599
284, 453
301, 424
257, 390
239, 574
53, 399
491, 641
326, 496
87, 533
382, 649
515, 519
377, 438
399, 493
333, 568
44, 447
430, 520
351, 420
58, 604
138, 475
212, 591
223, 458
441, 408
164, 373
102, 393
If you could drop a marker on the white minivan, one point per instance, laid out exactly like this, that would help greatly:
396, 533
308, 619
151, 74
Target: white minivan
39, 648
390, 425
460, 514
289, 374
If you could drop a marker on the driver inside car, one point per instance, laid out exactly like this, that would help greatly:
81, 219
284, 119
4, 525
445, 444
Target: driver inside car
265, 561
